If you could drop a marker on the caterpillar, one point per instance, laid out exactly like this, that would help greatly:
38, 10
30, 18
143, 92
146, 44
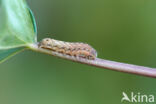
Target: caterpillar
75, 49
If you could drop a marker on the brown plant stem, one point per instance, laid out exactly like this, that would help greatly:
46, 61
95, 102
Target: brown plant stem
105, 64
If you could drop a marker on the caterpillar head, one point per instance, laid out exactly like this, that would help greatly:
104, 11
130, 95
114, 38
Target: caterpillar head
47, 43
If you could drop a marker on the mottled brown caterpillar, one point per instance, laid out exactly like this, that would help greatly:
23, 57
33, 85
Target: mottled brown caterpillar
68, 48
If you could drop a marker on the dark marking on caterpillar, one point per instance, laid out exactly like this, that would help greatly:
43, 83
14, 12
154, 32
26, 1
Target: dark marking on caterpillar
81, 50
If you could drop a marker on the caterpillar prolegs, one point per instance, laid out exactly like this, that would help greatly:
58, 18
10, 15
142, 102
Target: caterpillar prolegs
69, 48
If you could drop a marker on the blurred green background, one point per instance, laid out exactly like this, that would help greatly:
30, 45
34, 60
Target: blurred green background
120, 30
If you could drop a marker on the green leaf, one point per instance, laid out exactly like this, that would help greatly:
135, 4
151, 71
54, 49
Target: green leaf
17, 27
34, 23
5, 54
17, 24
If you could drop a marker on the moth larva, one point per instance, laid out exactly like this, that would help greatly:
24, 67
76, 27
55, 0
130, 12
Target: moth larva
68, 48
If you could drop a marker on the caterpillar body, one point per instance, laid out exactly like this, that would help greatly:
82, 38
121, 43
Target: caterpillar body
69, 48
